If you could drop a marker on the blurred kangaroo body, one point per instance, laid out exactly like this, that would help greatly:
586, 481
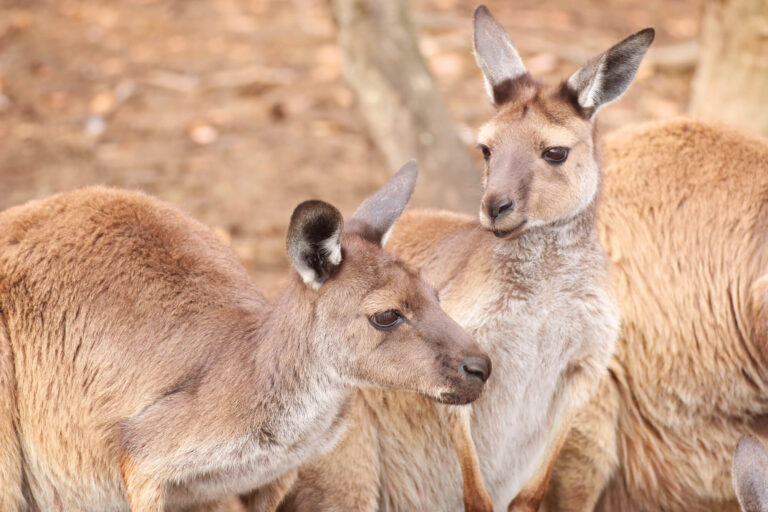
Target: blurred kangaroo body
685, 221
530, 282
140, 367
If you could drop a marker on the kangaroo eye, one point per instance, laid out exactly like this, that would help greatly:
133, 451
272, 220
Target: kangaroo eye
486, 150
555, 155
386, 319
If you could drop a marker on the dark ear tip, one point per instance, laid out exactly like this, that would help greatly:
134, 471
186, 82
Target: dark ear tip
314, 219
313, 241
314, 208
648, 34
481, 10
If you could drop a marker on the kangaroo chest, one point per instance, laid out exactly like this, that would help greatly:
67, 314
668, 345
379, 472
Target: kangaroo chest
250, 462
533, 334
531, 344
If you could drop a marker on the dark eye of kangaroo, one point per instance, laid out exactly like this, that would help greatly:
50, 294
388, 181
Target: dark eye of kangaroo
486, 151
386, 320
555, 155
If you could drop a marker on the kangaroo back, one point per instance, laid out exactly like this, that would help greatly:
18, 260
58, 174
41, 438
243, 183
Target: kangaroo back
109, 298
684, 221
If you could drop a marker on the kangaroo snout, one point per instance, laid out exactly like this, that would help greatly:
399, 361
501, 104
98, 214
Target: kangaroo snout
463, 368
477, 367
468, 379
498, 207
502, 214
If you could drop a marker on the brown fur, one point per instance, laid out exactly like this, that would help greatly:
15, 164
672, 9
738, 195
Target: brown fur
474, 493
269, 497
530, 497
11, 497
140, 366
684, 220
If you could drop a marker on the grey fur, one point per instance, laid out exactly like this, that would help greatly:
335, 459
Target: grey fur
749, 473
494, 52
375, 217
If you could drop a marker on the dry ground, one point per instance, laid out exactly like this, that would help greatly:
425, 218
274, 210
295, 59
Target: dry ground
236, 110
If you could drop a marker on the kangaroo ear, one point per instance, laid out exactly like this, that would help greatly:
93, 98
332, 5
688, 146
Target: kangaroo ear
749, 473
375, 217
314, 241
495, 54
607, 76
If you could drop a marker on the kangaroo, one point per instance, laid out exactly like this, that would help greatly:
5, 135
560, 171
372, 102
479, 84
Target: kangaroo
530, 281
750, 474
690, 373
141, 368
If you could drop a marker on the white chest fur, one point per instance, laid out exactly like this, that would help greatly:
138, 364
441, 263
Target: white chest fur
314, 426
534, 338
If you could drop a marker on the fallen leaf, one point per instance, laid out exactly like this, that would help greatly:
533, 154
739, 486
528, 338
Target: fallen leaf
202, 133
102, 103
95, 126
447, 64
541, 63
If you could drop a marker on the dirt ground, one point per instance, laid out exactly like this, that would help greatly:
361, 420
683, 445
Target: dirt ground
236, 110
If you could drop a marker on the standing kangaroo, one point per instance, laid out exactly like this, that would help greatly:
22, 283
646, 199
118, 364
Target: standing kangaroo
140, 367
685, 221
529, 281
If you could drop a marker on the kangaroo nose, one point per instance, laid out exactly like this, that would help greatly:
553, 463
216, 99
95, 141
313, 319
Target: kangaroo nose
498, 208
477, 367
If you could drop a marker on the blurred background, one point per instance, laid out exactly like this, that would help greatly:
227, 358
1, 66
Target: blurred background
236, 110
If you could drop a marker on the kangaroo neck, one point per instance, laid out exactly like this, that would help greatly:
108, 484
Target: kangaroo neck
543, 252
294, 389
551, 240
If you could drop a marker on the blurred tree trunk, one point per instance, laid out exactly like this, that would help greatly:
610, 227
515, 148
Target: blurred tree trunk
406, 115
731, 82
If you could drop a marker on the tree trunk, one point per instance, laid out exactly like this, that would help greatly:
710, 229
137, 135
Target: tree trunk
731, 82
405, 114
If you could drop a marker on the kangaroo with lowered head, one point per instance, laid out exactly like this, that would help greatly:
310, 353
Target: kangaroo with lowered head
141, 368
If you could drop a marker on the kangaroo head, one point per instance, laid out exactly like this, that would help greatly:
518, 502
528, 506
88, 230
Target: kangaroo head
541, 166
379, 323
